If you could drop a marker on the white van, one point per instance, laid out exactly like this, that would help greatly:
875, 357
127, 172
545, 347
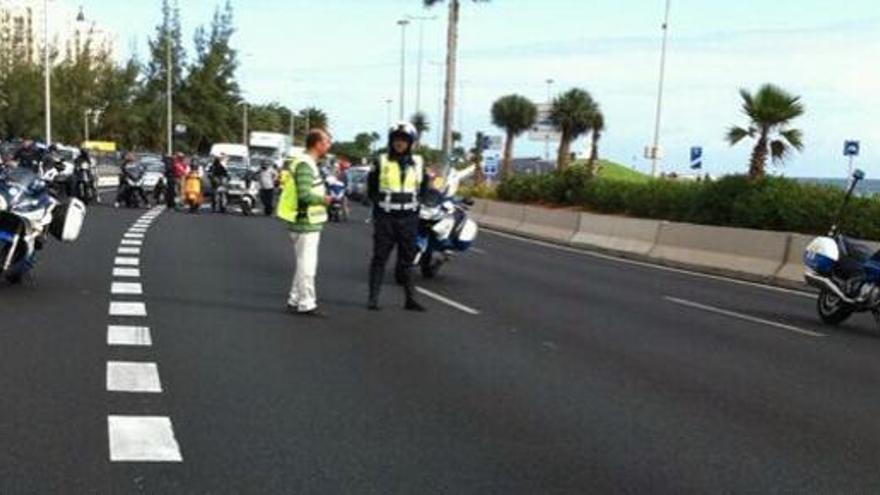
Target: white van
235, 152
272, 145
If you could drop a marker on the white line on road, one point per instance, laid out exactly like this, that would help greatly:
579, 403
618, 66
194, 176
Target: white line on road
125, 335
128, 250
128, 288
126, 272
133, 377
122, 261
741, 316
137, 230
129, 235
448, 302
128, 309
645, 264
142, 439
132, 242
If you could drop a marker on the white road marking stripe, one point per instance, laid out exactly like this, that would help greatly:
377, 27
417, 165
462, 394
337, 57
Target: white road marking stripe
130, 235
645, 264
128, 309
448, 302
133, 377
124, 335
128, 250
130, 288
132, 242
741, 316
122, 261
136, 230
142, 439
126, 272
140, 225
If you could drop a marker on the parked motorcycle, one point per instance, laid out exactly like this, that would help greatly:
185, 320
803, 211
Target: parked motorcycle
846, 273
337, 211
28, 215
220, 196
243, 190
133, 189
445, 229
85, 184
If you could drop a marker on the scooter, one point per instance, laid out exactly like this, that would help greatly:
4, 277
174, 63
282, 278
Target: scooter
133, 189
846, 273
445, 229
192, 192
337, 211
29, 213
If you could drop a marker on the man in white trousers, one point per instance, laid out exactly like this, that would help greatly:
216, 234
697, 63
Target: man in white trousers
303, 205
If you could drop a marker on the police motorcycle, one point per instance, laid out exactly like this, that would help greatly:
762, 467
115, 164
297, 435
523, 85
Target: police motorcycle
85, 184
846, 273
242, 190
445, 229
29, 213
132, 184
337, 211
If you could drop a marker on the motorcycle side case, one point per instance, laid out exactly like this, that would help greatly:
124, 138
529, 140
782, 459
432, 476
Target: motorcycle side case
67, 221
821, 255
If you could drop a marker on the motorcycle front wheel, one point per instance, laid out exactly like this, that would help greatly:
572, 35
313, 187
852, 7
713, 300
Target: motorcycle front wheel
832, 310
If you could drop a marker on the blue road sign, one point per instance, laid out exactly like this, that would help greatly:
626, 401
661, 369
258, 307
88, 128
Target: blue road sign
490, 166
696, 157
851, 148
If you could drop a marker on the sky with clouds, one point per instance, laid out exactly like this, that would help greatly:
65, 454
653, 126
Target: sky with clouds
344, 55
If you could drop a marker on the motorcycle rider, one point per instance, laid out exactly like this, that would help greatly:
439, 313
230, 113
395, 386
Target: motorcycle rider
395, 185
130, 168
219, 174
28, 156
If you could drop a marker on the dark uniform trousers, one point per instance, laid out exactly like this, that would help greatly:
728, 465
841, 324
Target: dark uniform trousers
392, 231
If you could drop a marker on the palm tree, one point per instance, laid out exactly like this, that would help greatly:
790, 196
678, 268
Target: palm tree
597, 127
515, 114
451, 66
572, 113
770, 112
420, 121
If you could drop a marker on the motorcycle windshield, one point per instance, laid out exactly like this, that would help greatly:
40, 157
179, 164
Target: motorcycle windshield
20, 177
433, 198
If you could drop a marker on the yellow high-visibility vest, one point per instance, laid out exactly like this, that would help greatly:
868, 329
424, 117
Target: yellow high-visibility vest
396, 192
288, 203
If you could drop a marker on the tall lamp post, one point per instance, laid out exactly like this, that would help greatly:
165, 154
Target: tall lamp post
388, 110
403, 23
48, 69
547, 136
421, 20
169, 75
654, 152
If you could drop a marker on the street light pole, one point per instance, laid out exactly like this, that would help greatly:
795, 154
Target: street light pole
547, 136
292, 128
244, 127
403, 23
421, 20
48, 68
656, 145
388, 109
86, 127
169, 75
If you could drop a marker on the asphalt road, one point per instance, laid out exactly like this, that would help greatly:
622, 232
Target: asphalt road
551, 371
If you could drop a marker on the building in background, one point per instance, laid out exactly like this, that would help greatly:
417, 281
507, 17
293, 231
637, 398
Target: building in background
22, 36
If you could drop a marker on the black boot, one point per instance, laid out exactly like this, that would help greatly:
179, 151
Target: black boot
408, 286
376, 276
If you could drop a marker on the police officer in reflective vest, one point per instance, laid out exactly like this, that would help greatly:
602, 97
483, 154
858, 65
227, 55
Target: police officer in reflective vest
395, 186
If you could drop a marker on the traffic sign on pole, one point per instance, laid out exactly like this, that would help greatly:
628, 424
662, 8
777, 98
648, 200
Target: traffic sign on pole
851, 148
696, 157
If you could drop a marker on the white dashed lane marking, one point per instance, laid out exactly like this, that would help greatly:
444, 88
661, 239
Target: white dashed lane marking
142, 439
122, 261
133, 377
132, 242
128, 250
128, 309
125, 335
126, 272
130, 235
129, 288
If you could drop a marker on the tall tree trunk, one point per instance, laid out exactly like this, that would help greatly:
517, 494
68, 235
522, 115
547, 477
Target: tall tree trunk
506, 171
594, 152
563, 156
758, 161
451, 62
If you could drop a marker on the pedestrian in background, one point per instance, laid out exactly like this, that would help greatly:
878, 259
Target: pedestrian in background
303, 205
267, 178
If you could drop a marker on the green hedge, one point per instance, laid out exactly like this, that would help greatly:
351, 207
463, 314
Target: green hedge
769, 204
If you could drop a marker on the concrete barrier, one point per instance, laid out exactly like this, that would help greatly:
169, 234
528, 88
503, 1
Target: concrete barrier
618, 234
478, 211
503, 216
549, 225
753, 253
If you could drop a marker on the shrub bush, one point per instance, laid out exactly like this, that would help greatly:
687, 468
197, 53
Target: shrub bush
735, 201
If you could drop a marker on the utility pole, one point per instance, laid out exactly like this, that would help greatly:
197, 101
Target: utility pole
547, 136
48, 79
421, 20
654, 149
86, 127
292, 129
388, 109
451, 61
169, 75
244, 127
403, 23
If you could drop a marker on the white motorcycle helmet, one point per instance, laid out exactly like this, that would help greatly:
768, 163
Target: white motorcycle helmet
404, 130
